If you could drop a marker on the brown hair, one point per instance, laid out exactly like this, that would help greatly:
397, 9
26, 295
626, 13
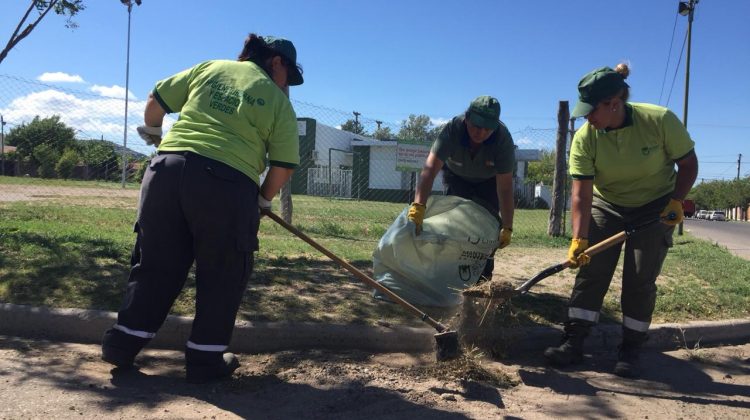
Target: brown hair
257, 51
624, 71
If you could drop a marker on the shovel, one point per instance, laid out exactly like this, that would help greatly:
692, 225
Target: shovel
446, 341
590, 251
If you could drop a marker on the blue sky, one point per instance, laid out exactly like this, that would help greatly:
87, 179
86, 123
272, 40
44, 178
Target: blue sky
388, 59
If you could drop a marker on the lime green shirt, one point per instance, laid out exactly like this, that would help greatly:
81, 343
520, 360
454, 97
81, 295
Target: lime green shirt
230, 111
495, 156
634, 164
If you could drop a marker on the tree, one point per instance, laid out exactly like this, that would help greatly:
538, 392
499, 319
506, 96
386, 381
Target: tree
50, 131
67, 163
46, 157
101, 158
721, 194
68, 8
418, 127
354, 126
383, 133
544, 170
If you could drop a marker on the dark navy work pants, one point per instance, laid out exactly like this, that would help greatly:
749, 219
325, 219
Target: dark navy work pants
192, 209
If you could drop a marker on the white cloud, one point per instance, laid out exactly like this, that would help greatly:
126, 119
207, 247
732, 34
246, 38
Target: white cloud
60, 77
437, 122
113, 91
91, 117
524, 141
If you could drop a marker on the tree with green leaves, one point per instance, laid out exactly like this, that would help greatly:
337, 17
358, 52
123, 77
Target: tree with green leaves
383, 133
49, 131
46, 158
418, 127
543, 170
67, 8
67, 164
101, 157
722, 194
354, 126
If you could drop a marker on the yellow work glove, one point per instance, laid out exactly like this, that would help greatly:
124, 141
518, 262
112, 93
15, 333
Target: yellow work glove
416, 215
576, 257
672, 215
505, 234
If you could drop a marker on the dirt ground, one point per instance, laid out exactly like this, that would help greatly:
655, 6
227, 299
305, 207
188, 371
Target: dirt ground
57, 380
25, 192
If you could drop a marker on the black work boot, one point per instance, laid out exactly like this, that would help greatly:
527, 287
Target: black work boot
120, 349
627, 354
570, 351
202, 367
627, 361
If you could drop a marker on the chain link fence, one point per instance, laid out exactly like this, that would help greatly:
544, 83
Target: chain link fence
50, 133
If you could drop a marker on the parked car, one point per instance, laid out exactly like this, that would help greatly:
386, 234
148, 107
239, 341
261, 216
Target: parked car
701, 214
718, 215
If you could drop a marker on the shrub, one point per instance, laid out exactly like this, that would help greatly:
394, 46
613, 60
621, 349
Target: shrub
67, 164
47, 157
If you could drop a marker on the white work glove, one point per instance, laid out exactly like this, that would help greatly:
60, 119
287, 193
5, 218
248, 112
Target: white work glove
263, 204
151, 135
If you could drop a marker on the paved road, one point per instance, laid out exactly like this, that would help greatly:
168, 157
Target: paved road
733, 235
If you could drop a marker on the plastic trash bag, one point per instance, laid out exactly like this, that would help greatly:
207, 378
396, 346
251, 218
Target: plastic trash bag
458, 236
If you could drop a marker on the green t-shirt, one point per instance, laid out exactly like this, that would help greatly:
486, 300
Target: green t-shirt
230, 111
495, 156
634, 164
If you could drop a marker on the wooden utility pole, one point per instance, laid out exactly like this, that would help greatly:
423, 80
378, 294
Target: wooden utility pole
557, 207
686, 8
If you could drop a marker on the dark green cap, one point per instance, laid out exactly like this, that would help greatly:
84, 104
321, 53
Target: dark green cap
596, 86
484, 112
286, 48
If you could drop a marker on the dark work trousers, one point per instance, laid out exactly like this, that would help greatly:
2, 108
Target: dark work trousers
483, 193
192, 209
644, 254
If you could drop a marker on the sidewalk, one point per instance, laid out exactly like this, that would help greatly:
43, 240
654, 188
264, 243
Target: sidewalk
87, 326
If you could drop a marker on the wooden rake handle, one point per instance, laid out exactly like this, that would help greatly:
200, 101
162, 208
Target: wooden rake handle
359, 274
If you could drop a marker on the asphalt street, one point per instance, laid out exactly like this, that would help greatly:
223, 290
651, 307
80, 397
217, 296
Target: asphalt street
733, 235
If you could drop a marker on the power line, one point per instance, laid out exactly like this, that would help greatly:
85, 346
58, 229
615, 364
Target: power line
675, 70
669, 55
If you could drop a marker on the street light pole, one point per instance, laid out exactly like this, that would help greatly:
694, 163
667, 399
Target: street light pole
687, 8
129, 4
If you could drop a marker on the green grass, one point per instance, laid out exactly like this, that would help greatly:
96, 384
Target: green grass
74, 252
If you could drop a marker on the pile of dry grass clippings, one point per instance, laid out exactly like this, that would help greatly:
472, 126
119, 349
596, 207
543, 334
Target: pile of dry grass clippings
488, 319
468, 367
495, 289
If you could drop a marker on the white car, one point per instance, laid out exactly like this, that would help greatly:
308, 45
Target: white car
701, 214
717, 215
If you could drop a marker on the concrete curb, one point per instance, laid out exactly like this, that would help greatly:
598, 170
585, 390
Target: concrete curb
87, 326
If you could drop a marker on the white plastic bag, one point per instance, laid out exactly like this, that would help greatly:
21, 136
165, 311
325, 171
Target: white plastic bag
449, 255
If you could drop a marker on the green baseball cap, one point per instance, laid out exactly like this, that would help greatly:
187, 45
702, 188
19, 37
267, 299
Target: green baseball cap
596, 86
484, 112
286, 49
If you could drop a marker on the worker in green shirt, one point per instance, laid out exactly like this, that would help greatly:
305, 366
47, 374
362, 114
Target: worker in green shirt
200, 198
475, 151
622, 161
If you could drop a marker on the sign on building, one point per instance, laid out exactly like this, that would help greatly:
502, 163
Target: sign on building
411, 154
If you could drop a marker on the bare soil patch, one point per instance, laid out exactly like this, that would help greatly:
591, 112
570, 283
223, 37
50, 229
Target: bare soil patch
58, 380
